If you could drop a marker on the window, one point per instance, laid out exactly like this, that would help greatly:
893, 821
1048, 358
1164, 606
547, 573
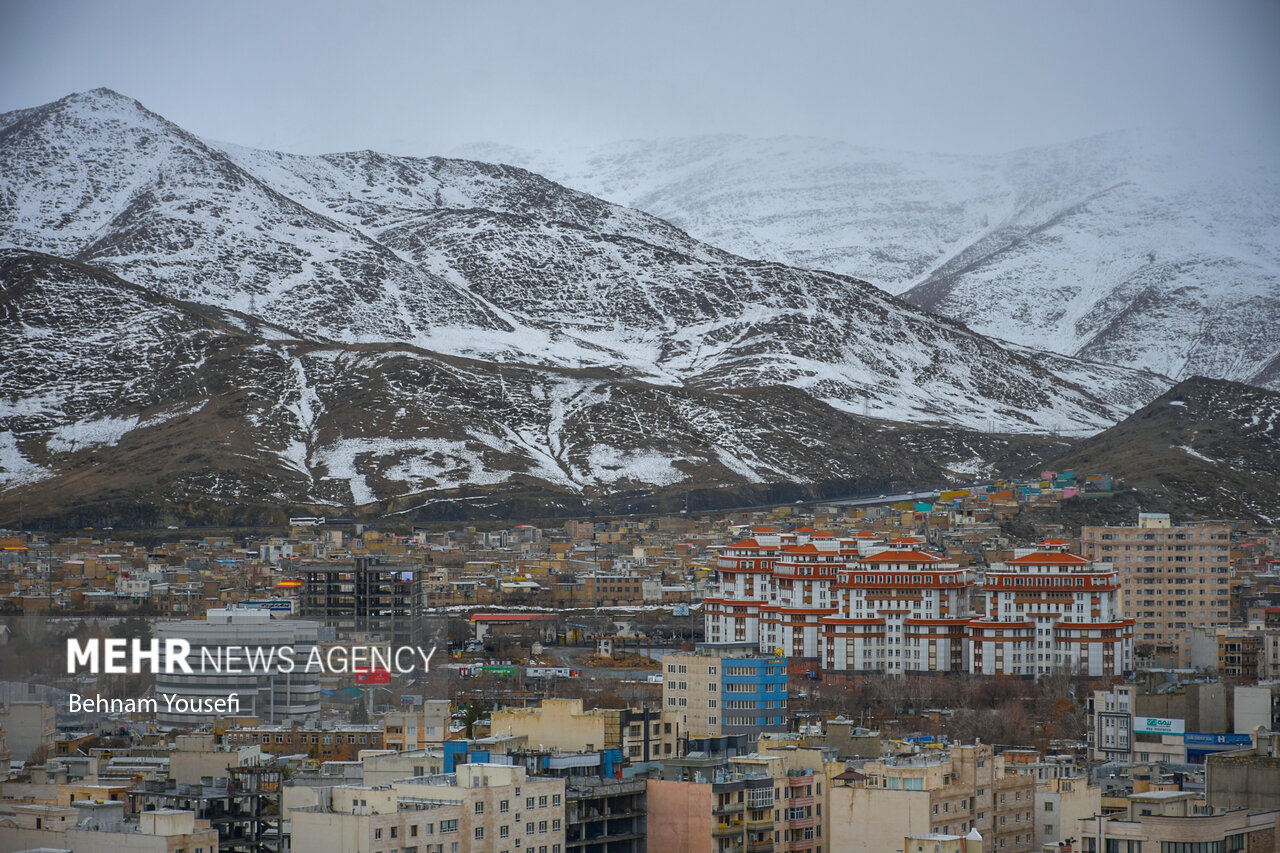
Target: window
504, 806
448, 826
377, 833
555, 799
504, 831
479, 808
479, 833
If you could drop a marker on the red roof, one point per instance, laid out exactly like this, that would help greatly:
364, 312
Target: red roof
799, 549
901, 557
1041, 558
865, 534
1055, 542
805, 529
763, 530
746, 543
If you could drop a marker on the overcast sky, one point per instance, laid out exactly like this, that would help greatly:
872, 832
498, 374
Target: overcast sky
422, 77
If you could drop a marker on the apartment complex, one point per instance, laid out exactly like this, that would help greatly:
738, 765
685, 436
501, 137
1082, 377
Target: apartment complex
860, 604
1173, 578
732, 689
1052, 611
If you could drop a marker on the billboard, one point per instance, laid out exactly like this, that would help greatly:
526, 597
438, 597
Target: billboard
373, 675
1158, 726
1214, 739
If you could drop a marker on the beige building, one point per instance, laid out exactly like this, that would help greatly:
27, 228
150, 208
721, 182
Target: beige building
417, 727
352, 819
483, 808
725, 689
1172, 578
755, 803
103, 828
566, 725
1178, 821
948, 792
1060, 804
29, 728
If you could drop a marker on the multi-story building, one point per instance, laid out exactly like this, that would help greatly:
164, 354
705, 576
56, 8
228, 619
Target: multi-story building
848, 606
746, 570
1118, 731
356, 819
1052, 611
1173, 578
365, 600
264, 661
1062, 802
639, 734
801, 593
755, 803
418, 726
343, 742
948, 792
103, 826
503, 808
725, 690
1177, 821
900, 610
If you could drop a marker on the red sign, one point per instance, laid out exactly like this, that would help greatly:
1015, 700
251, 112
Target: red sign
377, 675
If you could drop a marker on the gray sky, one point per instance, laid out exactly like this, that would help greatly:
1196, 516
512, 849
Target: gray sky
423, 77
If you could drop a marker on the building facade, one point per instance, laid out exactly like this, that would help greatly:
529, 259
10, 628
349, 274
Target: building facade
1173, 578
717, 690
222, 648
1052, 611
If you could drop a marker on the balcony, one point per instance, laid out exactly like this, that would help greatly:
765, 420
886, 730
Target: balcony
762, 845
722, 830
727, 809
764, 824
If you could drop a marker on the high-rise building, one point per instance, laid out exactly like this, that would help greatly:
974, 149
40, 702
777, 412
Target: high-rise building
1051, 611
898, 611
725, 690
366, 600
264, 661
1173, 578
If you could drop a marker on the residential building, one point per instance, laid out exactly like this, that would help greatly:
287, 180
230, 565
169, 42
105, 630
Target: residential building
417, 726
503, 808
330, 742
1060, 804
1178, 822
1172, 577
355, 819
30, 729
946, 792
900, 610
725, 689
102, 828
263, 661
1052, 611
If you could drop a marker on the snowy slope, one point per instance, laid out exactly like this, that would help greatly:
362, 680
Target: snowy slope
1154, 253
498, 263
123, 404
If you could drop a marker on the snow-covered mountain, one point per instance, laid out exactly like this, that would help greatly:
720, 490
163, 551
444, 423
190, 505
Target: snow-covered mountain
1150, 252
124, 406
358, 328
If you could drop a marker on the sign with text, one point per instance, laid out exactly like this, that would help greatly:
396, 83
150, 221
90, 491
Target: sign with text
1158, 726
376, 675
